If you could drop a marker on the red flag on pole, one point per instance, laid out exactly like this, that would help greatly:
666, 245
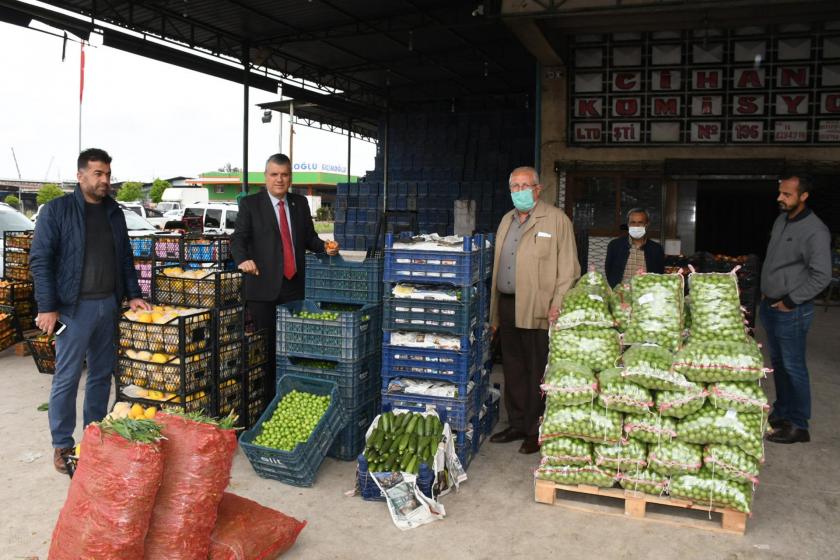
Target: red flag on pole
82, 73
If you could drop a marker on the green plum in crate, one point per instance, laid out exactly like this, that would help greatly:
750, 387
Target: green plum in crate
311, 330
343, 280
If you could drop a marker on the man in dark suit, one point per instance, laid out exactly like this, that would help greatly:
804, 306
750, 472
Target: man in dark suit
627, 256
273, 231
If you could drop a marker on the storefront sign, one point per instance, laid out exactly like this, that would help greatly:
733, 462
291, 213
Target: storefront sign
735, 87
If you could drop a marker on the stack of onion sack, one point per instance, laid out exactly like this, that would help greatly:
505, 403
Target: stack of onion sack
199, 452
583, 341
112, 494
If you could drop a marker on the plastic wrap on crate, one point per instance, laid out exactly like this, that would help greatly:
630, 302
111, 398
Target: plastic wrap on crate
456, 412
350, 441
460, 268
457, 367
185, 334
358, 381
181, 375
459, 318
228, 362
299, 466
339, 280
352, 336
215, 289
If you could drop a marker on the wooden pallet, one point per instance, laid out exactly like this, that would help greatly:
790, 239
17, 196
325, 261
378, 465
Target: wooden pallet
635, 506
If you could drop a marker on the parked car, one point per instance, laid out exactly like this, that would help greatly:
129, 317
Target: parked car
137, 225
11, 220
215, 217
154, 216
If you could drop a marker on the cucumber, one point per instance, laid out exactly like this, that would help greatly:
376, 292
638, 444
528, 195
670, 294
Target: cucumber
429, 425
385, 422
412, 443
412, 465
412, 423
403, 442
394, 445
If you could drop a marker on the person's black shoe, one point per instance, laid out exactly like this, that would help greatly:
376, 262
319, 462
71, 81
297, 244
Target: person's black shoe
777, 423
530, 445
507, 435
789, 434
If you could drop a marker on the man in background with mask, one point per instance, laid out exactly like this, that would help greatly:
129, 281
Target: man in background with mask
628, 256
536, 264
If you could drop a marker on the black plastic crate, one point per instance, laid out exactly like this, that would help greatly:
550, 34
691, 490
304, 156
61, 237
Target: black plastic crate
256, 348
43, 352
180, 375
229, 361
343, 281
214, 288
18, 239
167, 248
144, 268
16, 292
358, 382
253, 409
213, 249
182, 336
199, 401
256, 380
229, 324
230, 397
352, 336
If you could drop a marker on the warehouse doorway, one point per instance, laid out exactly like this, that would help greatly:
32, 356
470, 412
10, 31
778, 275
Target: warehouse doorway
734, 217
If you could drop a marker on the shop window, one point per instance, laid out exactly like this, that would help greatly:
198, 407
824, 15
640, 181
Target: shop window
219, 189
599, 202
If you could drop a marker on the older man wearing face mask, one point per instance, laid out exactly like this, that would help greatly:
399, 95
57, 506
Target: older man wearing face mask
536, 264
628, 256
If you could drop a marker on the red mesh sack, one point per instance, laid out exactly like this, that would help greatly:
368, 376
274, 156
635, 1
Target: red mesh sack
245, 530
106, 514
197, 464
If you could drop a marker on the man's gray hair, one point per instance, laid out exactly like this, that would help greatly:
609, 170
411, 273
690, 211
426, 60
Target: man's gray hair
279, 159
638, 211
525, 169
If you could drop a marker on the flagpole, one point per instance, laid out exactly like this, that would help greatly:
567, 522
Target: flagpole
81, 90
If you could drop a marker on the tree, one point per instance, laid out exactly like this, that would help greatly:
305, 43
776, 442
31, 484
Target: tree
47, 192
130, 191
158, 186
13, 201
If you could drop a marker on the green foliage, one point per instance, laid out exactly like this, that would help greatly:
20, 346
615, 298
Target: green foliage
158, 186
12, 200
47, 192
324, 214
130, 191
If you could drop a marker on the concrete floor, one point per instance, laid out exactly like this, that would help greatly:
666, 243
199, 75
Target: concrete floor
796, 508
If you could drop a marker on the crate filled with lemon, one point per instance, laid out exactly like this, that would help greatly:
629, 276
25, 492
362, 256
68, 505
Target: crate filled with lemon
196, 287
167, 329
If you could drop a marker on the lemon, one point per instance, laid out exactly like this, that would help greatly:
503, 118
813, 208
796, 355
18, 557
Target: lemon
150, 412
78, 450
136, 412
160, 358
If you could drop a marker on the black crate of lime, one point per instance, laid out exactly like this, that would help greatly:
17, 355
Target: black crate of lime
308, 329
351, 439
292, 437
436, 309
343, 280
198, 287
358, 382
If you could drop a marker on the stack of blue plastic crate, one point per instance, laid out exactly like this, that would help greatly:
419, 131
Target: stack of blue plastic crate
346, 350
465, 271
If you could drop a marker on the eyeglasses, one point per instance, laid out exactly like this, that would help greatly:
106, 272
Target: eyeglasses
516, 187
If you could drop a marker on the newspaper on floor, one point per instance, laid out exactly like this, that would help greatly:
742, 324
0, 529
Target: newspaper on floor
408, 506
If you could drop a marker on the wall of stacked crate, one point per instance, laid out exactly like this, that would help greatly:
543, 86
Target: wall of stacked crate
414, 282
203, 358
436, 158
334, 335
17, 291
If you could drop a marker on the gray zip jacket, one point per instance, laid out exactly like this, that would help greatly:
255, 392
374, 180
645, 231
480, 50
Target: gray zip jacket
798, 263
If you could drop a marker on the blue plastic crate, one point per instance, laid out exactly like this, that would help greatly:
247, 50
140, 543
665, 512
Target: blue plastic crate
460, 268
354, 335
488, 248
206, 249
456, 412
494, 412
465, 453
299, 466
351, 439
456, 367
358, 382
141, 247
371, 492
459, 318
344, 281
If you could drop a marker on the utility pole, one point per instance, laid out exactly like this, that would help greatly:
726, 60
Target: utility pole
14, 157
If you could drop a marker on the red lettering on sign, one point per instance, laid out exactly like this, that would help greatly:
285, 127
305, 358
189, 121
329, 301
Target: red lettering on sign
625, 81
586, 107
588, 133
793, 102
706, 79
747, 132
627, 107
624, 133
706, 131
794, 76
747, 105
832, 103
665, 79
749, 79
665, 107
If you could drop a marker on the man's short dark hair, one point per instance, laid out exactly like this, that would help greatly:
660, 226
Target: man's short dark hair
279, 159
805, 183
92, 154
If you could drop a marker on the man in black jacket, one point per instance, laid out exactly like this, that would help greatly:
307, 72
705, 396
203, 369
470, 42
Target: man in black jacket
273, 231
83, 267
628, 256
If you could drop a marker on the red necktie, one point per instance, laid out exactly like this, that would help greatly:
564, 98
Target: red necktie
289, 268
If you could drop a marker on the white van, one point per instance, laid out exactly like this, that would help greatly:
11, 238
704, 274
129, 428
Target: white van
175, 199
153, 215
216, 217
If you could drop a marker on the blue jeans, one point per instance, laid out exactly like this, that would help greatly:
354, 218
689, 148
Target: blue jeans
89, 334
787, 332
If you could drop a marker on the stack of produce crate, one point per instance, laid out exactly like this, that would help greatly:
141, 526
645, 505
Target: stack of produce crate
334, 335
190, 351
434, 325
681, 416
17, 293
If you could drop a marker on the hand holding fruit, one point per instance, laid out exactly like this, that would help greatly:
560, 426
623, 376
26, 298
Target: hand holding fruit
249, 267
331, 247
46, 321
139, 303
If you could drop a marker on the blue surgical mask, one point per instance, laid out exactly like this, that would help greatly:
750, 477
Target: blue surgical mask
523, 200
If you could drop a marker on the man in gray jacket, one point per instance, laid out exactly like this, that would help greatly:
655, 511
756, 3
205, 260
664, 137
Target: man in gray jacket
797, 268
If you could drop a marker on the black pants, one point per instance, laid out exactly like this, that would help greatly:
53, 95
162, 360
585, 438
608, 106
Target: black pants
524, 357
264, 315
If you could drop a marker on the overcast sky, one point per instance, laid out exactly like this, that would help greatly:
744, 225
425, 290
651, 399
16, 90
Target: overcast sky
156, 120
